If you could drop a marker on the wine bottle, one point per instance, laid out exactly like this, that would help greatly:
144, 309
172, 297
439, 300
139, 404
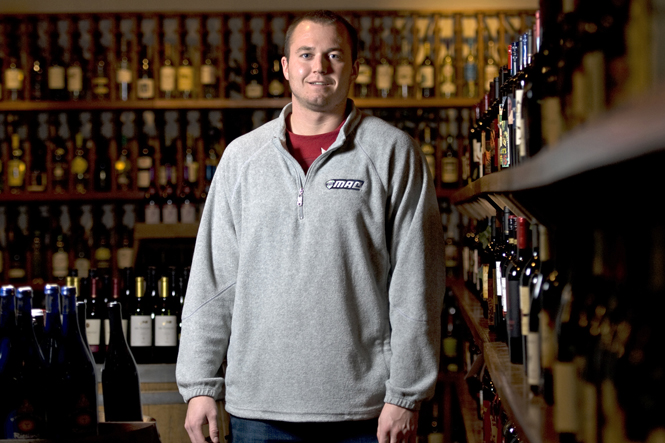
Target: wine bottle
384, 72
429, 151
404, 72
185, 75
530, 268
140, 325
123, 165
16, 166
508, 253
52, 325
120, 378
75, 75
209, 75
73, 411
254, 78
450, 164
166, 325
426, 74
448, 83
488, 271
23, 373
14, 77
362, 88
115, 296
60, 257
94, 320
513, 274
57, 78
123, 75
471, 72
167, 74
491, 65
145, 84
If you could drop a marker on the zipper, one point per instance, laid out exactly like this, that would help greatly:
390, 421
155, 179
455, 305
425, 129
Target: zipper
300, 211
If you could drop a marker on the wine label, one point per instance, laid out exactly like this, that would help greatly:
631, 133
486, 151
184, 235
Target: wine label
185, 75
276, 88
143, 178
547, 341
145, 88
100, 85
208, 75
93, 330
141, 331
450, 347
103, 257
426, 76
533, 358
589, 410
364, 75
79, 165
404, 75
565, 398
384, 76
14, 79
525, 308
449, 170
254, 90
188, 213
485, 277
519, 123
23, 423
514, 317
450, 253
167, 78
435, 437
125, 258
152, 214
497, 276
169, 213
60, 264
82, 265
107, 330
74, 79
123, 75
56, 77
166, 330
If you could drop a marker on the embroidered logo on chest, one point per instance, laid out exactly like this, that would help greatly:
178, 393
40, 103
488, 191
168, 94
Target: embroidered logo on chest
353, 185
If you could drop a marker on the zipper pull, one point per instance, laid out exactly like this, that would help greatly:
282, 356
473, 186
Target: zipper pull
300, 191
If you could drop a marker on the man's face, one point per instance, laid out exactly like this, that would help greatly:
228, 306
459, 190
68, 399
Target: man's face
319, 69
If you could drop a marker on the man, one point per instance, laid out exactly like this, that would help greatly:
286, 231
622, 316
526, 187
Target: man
318, 271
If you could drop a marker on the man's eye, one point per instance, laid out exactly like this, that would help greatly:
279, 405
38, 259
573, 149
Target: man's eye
305, 55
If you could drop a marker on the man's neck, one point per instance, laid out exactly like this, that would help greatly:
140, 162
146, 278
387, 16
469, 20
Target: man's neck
307, 122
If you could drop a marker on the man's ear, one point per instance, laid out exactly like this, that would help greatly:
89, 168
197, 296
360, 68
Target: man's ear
355, 70
285, 68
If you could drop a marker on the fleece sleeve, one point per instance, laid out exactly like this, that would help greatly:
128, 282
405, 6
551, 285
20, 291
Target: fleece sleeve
208, 307
417, 280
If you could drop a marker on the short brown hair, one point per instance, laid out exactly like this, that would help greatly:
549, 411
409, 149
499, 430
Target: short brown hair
324, 17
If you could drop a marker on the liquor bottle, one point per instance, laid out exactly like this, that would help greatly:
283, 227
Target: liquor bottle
75, 74
57, 78
145, 83
23, 373
362, 88
384, 72
74, 411
428, 149
14, 77
426, 74
140, 325
448, 83
94, 321
471, 72
123, 75
79, 165
123, 166
404, 72
16, 166
449, 165
254, 78
167, 74
60, 257
166, 326
531, 268
120, 378
100, 77
185, 76
513, 279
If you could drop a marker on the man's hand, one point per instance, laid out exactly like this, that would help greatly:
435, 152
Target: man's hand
397, 425
200, 411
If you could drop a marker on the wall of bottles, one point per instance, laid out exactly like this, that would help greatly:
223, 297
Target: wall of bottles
206, 56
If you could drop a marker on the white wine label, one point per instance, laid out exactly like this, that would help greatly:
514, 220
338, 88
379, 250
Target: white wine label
74, 79
519, 123
152, 214
143, 178
208, 75
125, 258
404, 75
145, 88
497, 276
169, 214
82, 265
485, 277
364, 75
14, 79
426, 76
141, 330
60, 264
93, 330
56, 77
123, 75
566, 410
254, 90
166, 330
435, 437
533, 358
185, 78
167, 78
525, 307
107, 330
384, 77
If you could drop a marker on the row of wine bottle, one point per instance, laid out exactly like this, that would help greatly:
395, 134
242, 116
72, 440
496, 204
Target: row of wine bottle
591, 59
50, 389
588, 344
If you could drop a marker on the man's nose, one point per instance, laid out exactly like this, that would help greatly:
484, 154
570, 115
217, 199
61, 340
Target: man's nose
321, 64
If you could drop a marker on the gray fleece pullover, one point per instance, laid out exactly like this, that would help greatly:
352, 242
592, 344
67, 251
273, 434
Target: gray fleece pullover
318, 296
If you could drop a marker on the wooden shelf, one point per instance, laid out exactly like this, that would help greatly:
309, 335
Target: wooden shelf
36, 197
629, 132
472, 425
532, 416
144, 231
268, 103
